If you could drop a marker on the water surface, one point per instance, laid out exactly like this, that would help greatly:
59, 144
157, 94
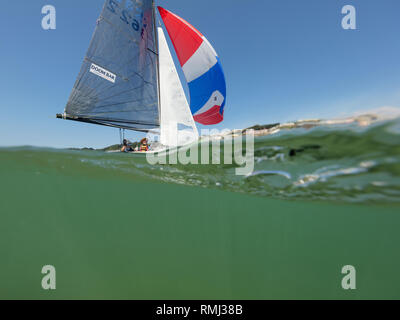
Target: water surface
116, 227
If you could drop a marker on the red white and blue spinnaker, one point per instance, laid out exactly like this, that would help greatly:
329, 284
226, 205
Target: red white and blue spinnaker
202, 69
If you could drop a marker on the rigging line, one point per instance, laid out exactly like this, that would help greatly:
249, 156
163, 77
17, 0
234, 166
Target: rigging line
152, 51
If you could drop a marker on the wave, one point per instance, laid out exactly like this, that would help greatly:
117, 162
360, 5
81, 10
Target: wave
345, 163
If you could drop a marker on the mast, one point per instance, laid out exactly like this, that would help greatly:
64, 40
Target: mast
157, 59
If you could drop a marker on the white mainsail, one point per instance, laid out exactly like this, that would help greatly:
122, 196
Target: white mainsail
177, 126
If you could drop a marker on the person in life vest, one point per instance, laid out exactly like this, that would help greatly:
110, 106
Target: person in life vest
144, 146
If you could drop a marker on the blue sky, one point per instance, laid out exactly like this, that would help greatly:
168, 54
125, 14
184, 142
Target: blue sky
284, 60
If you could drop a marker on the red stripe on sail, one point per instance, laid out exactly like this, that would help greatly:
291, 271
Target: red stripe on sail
211, 116
185, 38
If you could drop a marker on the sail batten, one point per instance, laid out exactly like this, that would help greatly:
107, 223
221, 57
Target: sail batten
118, 77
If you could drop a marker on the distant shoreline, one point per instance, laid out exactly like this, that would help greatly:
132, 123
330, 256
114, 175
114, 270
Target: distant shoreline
362, 120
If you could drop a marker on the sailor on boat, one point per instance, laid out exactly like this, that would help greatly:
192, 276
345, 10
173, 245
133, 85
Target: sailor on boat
126, 147
144, 146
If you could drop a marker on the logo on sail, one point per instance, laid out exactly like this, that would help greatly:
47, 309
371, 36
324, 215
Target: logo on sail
103, 73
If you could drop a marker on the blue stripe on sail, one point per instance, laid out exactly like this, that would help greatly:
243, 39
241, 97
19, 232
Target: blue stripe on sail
202, 88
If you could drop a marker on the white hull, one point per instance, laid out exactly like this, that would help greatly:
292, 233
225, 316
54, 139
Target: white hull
139, 152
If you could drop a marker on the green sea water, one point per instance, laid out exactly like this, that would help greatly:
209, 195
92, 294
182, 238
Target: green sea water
116, 227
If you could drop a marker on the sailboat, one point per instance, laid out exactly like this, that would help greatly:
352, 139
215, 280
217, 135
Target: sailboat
128, 79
